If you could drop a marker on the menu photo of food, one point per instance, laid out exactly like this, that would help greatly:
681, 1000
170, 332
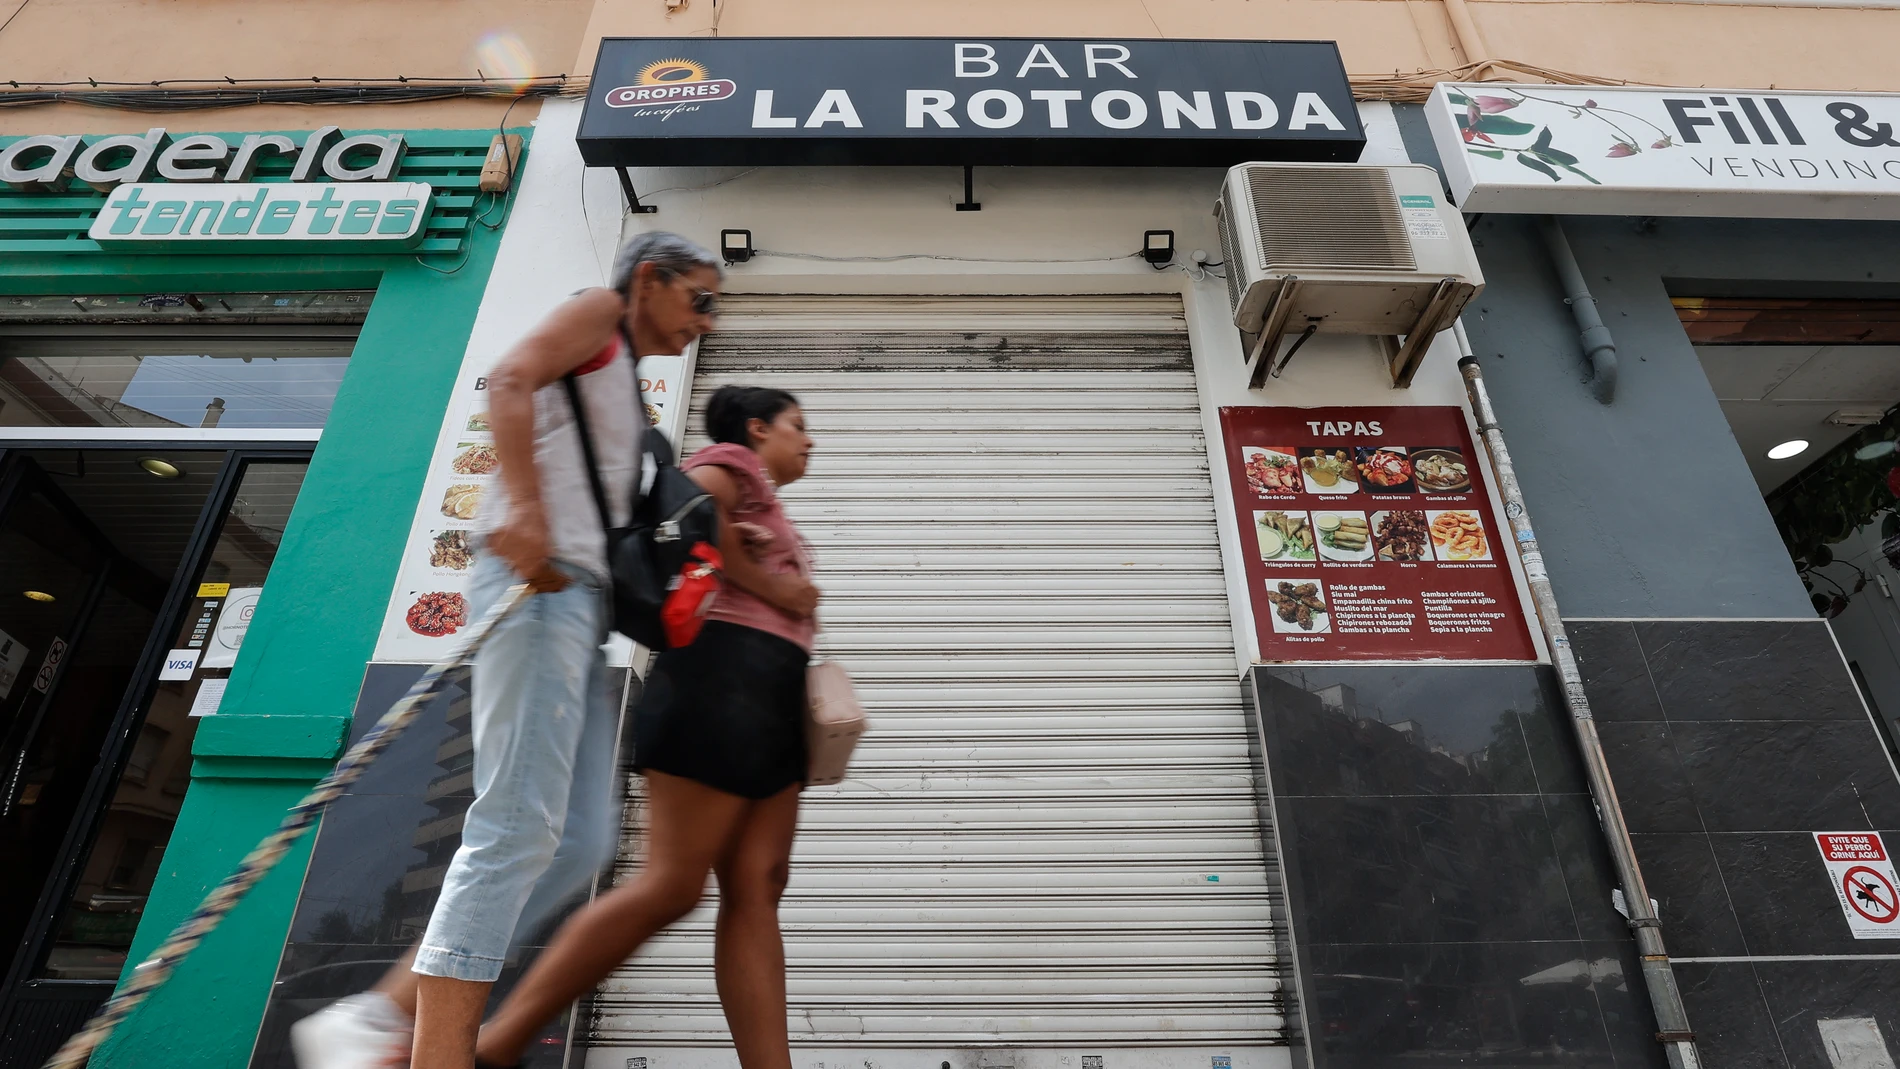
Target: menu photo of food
460, 501
1343, 536
1384, 469
1402, 535
1285, 537
1458, 535
1440, 471
437, 613
1271, 471
1329, 471
475, 458
452, 550
478, 422
1299, 607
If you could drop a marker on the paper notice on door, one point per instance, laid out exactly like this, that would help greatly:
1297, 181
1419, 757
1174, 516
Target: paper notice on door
12, 659
210, 693
234, 619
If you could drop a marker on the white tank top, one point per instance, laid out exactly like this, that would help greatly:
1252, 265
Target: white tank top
607, 391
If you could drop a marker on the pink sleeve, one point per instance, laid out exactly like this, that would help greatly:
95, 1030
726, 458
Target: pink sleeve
743, 463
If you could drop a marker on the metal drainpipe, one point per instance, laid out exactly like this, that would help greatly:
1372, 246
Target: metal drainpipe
1598, 346
1658, 977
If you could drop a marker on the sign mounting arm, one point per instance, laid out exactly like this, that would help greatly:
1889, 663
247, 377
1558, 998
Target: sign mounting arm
633, 197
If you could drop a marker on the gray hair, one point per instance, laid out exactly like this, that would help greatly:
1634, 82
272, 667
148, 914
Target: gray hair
663, 249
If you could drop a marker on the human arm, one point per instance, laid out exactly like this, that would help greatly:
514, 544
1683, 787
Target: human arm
570, 336
788, 591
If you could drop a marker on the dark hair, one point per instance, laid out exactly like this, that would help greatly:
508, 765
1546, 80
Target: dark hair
732, 409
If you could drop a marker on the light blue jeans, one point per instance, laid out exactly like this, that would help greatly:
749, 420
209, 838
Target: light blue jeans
545, 820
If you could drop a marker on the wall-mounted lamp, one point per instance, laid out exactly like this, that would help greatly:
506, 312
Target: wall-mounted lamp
1157, 247
735, 245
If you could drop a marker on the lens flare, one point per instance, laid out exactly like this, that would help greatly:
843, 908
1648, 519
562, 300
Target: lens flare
501, 56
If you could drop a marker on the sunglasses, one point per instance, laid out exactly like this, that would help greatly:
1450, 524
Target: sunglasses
705, 302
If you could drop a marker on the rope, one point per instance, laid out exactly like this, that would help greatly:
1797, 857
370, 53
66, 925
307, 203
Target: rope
155, 970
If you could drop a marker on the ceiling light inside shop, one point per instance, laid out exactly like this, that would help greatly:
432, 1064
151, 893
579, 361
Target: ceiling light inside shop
37, 595
1874, 450
165, 469
1788, 449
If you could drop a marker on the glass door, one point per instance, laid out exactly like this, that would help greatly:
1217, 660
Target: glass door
54, 567
127, 584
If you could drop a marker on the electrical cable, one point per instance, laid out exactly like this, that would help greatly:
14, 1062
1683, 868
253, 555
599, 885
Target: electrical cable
200, 95
15, 15
936, 256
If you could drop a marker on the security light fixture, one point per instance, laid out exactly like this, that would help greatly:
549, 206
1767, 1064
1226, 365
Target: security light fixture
37, 595
1157, 247
735, 246
160, 467
1857, 416
1791, 448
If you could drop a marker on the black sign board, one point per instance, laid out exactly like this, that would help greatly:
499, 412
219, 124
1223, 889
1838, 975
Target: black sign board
692, 101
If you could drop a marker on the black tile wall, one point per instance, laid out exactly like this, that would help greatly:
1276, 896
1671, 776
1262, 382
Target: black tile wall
1448, 891
1730, 744
1729, 1013
1748, 670
377, 864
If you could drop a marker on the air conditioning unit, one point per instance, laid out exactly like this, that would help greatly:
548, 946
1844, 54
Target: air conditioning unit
1342, 248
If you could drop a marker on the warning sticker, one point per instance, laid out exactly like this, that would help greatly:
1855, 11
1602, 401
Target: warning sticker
1863, 878
1421, 217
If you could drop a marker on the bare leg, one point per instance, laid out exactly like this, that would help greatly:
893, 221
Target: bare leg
448, 1014
400, 984
748, 951
688, 828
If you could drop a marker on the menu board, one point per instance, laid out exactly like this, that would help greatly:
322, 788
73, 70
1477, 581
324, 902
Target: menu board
430, 605
1368, 535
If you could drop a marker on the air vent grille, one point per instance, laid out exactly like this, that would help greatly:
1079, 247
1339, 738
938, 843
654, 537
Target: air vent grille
1329, 218
1231, 262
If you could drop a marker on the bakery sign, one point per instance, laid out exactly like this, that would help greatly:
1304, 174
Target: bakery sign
690, 101
196, 192
1745, 153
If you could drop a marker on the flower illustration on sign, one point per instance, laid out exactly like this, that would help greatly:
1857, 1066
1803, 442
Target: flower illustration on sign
1490, 132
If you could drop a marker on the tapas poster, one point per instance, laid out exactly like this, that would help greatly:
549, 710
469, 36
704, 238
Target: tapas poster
1368, 534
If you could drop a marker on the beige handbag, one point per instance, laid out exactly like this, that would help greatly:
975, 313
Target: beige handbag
833, 721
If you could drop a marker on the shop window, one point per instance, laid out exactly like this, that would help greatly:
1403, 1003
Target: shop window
162, 379
94, 927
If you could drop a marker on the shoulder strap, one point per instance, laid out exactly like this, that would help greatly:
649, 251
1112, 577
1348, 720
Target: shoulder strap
573, 388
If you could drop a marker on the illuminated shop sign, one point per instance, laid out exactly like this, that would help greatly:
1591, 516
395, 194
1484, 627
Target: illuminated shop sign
288, 213
1593, 150
761, 101
55, 162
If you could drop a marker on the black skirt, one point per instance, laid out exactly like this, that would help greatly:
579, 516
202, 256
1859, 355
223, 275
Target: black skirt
727, 711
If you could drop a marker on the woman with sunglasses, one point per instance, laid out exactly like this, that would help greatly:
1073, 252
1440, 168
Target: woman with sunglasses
719, 736
546, 818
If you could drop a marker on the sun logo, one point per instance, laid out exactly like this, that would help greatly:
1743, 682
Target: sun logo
670, 71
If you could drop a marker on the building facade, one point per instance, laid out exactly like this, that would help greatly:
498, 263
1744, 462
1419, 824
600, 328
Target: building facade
1215, 724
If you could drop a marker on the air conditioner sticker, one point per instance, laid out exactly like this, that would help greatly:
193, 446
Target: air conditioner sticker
1422, 219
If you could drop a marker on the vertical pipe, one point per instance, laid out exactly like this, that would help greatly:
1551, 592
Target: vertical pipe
1464, 30
1598, 346
1658, 978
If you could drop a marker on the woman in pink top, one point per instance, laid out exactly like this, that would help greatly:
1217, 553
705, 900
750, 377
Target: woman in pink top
720, 726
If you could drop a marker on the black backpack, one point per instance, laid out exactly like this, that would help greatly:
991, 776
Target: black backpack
673, 526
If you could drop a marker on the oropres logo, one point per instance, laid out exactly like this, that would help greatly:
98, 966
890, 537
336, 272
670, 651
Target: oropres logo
671, 81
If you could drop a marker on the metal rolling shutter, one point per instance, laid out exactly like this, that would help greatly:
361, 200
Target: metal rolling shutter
1049, 838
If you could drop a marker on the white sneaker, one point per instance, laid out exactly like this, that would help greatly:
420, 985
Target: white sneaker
365, 1031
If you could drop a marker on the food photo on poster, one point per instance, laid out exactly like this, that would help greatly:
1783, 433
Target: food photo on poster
1373, 536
